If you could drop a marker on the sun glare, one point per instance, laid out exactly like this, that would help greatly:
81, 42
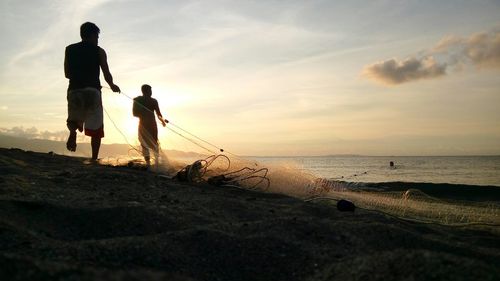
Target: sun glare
121, 125
171, 98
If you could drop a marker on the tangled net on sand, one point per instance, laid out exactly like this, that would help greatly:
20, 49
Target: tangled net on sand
224, 170
218, 173
411, 204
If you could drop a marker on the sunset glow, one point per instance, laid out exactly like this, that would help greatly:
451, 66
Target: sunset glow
271, 78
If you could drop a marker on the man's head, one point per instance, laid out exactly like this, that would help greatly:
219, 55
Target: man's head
146, 90
89, 32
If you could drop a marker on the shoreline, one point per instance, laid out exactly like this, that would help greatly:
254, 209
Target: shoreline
62, 219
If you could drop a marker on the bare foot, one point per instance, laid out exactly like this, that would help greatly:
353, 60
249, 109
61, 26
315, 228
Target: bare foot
71, 143
91, 161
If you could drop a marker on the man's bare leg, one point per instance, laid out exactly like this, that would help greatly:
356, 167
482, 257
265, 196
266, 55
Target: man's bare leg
157, 155
145, 153
71, 143
96, 144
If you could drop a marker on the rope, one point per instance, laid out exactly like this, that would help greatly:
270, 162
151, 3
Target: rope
187, 132
132, 148
231, 179
405, 219
120, 131
190, 140
197, 170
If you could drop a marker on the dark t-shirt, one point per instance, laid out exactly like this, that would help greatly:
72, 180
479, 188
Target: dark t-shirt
82, 60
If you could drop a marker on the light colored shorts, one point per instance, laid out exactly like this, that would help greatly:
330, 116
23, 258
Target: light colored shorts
85, 111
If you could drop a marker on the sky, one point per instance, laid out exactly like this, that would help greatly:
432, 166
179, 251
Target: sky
269, 77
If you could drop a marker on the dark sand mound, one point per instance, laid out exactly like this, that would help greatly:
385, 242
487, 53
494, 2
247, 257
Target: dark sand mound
445, 191
61, 219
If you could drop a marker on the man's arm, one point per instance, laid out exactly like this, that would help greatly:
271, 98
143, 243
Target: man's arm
159, 115
66, 64
105, 70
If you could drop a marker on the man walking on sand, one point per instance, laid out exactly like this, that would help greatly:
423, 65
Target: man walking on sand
82, 64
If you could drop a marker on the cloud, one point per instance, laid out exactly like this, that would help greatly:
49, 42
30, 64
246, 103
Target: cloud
446, 43
20, 132
393, 71
41, 38
33, 133
481, 50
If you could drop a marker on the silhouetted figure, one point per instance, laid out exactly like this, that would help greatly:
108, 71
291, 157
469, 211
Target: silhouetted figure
391, 165
82, 64
145, 108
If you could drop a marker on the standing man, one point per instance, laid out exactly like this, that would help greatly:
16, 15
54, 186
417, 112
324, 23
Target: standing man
145, 107
82, 64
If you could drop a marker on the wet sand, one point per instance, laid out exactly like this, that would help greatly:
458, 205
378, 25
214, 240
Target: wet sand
63, 219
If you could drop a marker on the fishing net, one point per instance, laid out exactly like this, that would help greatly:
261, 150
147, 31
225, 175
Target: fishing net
411, 204
207, 163
415, 205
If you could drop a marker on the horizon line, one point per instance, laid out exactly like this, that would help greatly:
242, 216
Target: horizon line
280, 156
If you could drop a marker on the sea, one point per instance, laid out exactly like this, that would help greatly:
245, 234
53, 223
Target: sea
461, 170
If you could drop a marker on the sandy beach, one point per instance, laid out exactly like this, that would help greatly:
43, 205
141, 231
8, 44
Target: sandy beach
64, 219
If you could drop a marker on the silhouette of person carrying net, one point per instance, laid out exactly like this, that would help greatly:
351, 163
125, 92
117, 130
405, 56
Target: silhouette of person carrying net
145, 107
83, 62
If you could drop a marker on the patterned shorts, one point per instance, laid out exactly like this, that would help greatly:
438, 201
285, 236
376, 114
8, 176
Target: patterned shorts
85, 111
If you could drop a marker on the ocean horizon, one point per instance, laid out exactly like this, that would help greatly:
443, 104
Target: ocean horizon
482, 170
468, 170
